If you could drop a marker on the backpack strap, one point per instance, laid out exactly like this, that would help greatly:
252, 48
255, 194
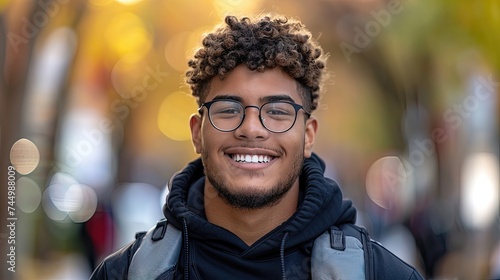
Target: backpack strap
367, 244
339, 253
158, 252
342, 253
362, 234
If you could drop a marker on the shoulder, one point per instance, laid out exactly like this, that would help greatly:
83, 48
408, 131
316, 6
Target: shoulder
116, 265
386, 265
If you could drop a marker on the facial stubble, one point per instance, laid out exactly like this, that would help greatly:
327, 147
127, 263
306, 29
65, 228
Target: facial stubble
251, 197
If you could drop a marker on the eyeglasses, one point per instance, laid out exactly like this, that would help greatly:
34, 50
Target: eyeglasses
227, 115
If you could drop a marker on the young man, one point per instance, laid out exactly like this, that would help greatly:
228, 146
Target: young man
256, 205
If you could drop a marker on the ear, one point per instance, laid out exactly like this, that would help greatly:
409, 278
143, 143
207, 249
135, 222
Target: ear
310, 135
195, 126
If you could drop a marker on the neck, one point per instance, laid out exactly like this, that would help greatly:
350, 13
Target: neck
249, 224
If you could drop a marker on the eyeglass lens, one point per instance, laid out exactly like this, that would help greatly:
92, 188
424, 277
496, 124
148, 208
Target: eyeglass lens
228, 115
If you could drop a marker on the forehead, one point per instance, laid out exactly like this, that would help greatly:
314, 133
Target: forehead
253, 86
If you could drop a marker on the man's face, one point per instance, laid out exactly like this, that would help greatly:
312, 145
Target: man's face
244, 184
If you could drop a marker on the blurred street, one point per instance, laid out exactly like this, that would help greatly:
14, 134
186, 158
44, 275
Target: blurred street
95, 120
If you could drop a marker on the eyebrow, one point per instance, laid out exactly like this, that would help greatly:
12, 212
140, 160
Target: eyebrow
279, 97
228, 97
264, 99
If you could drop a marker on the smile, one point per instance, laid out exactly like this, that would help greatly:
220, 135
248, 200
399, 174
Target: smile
251, 158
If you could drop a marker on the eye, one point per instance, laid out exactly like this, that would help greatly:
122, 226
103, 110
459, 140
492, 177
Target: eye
277, 110
226, 109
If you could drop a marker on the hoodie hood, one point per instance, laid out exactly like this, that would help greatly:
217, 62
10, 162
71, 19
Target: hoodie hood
321, 206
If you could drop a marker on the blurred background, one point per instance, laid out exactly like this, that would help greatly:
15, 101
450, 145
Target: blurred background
94, 117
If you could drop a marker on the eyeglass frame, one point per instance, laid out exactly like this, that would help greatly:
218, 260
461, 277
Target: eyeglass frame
296, 107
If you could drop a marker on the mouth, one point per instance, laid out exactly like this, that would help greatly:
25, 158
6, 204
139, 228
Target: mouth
246, 158
251, 157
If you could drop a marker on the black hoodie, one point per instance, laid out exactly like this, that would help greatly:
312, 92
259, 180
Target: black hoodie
213, 252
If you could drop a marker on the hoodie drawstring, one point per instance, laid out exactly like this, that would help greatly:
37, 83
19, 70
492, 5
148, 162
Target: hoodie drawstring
186, 249
282, 256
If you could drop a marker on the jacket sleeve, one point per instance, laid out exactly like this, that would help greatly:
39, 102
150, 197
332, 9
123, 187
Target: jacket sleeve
115, 266
389, 266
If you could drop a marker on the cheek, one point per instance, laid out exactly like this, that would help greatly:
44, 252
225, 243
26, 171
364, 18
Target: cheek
294, 144
209, 138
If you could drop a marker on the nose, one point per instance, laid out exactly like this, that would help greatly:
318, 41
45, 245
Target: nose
251, 127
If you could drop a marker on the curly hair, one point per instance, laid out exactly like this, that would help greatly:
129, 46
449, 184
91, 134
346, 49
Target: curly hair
268, 42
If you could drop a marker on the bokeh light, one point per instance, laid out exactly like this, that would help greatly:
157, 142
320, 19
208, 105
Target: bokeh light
181, 46
480, 190
24, 156
29, 194
87, 202
128, 2
66, 197
52, 199
386, 182
173, 118
127, 34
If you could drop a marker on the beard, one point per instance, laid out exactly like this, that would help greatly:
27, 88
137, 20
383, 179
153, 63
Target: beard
249, 197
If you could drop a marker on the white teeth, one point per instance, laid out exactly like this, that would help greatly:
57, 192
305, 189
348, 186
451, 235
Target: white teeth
251, 158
